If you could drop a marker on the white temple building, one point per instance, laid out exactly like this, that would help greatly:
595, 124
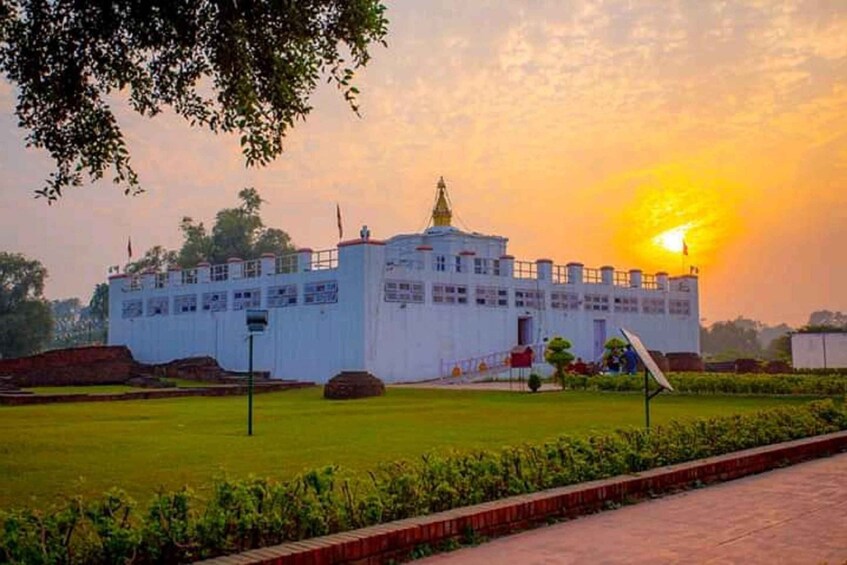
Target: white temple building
412, 307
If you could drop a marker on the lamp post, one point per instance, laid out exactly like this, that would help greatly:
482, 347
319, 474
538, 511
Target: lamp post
257, 321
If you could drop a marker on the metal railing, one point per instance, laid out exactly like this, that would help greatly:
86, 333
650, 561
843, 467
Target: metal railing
560, 275
621, 278
252, 269
324, 260
525, 270
285, 264
592, 276
481, 365
649, 282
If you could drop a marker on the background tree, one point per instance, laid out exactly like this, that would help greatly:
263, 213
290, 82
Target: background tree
779, 349
730, 340
827, 319
156, 258
559, 356
246, 66
98, 306
98, 311
237, 232
25, 319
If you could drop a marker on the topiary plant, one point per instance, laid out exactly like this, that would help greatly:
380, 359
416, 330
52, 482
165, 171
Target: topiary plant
534, 382
559, 356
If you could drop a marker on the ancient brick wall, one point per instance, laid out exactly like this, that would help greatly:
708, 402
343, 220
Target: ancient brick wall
685, 362
71, 367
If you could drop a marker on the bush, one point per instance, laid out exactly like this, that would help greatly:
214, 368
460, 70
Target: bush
534, 382
722, 383
243, 514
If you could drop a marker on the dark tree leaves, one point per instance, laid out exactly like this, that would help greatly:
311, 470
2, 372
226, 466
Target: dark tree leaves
25, 318
245, 66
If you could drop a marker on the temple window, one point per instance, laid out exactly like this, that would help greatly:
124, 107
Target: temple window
564, 300
214, 301
529, 298
185, 304
626, 304
131, 309
597, 302
157, 306
320, 293
219, 273
243, 299
679, 307
449, 294
653, 305
440, 263
282, 296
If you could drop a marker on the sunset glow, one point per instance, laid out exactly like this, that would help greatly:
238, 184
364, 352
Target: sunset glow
672, 240
596, 132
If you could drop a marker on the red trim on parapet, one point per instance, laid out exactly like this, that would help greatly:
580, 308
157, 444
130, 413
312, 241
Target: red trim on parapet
305, 250
507, 256
574, 264
235, 260
120, 276
467, 253
424, 248
544, 261
351, 242
268, 256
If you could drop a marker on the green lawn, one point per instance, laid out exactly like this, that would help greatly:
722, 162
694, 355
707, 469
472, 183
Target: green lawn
51, 450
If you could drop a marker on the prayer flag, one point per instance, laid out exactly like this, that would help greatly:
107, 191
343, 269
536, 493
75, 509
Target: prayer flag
338, 219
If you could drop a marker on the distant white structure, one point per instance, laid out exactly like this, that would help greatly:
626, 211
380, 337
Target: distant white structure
821, 350
413, 307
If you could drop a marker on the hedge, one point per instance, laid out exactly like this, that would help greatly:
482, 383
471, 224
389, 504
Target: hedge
242, 514
753, 383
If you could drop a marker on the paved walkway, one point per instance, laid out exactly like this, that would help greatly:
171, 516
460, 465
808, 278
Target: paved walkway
792, 515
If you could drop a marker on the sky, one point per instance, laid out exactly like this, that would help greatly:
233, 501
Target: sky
582, 131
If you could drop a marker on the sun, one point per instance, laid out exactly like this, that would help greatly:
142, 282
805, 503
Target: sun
672, 240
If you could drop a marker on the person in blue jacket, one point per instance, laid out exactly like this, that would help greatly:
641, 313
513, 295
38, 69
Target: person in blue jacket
630, 360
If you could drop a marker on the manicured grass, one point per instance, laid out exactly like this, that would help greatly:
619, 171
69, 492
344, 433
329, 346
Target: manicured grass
47, 451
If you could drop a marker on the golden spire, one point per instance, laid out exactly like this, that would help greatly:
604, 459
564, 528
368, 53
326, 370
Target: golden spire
441, 214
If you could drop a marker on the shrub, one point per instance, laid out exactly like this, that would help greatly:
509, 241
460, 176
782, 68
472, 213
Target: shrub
534, 382
243, 514
558, 354
722, 383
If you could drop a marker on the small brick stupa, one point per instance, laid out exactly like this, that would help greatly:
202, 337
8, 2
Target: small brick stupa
347, 385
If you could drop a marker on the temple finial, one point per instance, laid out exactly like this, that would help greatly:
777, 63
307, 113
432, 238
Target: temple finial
441, 214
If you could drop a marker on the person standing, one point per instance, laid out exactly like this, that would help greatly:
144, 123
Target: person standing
630, 360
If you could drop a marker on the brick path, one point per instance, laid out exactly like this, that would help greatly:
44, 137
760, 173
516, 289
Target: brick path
792, 515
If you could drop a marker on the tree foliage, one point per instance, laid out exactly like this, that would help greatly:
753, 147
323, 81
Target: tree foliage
237, 232
559, 356
25, 319
156, 258
827, 319
730, 339
247, 67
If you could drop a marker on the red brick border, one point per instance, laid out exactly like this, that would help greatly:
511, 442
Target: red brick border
396, 540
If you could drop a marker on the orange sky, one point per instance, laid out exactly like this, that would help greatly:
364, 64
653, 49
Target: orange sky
580, 130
